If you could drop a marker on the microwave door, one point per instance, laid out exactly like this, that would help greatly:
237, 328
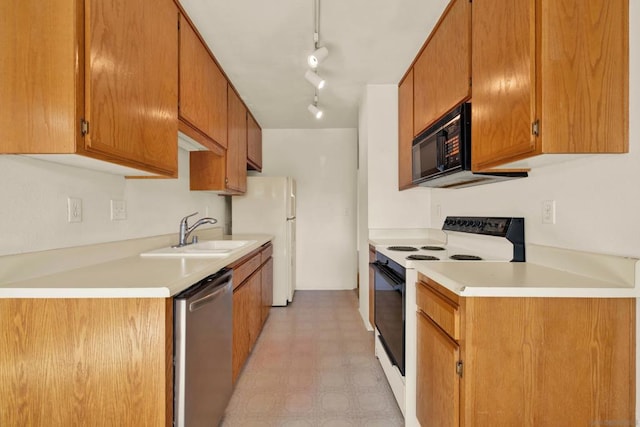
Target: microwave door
426, 157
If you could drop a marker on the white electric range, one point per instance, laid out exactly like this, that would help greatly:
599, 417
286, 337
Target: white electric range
468, 240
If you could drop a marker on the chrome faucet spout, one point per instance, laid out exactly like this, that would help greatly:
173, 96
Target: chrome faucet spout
186, 230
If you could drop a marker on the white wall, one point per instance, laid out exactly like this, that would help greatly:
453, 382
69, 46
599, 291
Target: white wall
388, 207
381, 204
33, 212
323, 163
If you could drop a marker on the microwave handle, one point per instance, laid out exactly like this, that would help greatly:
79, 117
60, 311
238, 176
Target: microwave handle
441, 138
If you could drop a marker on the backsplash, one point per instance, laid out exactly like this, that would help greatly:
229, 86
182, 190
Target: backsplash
33, 212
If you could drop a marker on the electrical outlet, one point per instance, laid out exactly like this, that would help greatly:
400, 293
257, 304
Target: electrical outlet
118, 210
549, 212
74, 209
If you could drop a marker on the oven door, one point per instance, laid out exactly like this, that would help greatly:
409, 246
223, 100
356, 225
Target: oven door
390, 311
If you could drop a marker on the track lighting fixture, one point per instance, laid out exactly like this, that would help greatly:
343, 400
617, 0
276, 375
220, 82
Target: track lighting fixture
314, 59
317, 113
317, 56
314, 79
313, 108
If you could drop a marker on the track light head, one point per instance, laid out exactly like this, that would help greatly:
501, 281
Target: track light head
317, 113
317, 56
315, 79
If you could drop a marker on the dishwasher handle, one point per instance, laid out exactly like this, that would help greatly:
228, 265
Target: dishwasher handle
197, 304
204, 287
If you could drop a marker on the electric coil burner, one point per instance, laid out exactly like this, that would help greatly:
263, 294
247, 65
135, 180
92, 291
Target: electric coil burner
432, 248
402, 248
464, 257
423, 258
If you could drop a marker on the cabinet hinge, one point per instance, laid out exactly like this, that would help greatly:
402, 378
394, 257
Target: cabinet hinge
535, 128
84, 127
226, 180
469, 81
459, 368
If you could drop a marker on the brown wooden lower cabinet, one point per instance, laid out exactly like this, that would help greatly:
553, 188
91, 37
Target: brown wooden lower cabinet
267, 288
89, 361
524, 361
241, 304
253, 291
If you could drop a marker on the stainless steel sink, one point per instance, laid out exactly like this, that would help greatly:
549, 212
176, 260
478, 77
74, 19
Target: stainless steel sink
205, 249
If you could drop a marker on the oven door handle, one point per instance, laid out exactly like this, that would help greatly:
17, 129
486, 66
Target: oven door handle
389, 274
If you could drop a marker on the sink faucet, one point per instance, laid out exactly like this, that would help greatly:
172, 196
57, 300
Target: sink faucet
185, 230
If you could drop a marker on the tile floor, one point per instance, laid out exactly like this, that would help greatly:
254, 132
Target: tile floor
314, 365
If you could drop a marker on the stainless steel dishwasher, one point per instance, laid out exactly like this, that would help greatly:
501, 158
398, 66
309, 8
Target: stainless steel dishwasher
202, 351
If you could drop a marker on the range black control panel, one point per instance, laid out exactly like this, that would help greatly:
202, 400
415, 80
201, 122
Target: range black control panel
481, 225
510, 228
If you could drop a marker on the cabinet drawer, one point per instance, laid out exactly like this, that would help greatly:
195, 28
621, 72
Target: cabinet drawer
438, 307
244, 270
266, 253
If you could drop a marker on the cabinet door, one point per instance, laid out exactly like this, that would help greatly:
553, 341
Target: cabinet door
241, 307
203, 88
38, 86
254, 143
236, 156
267, 288
438, 384
405, 131
503, 75
582, 93
442, 72
131, 82
255, 311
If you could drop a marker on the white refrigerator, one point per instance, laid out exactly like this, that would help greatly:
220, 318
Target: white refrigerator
269, 207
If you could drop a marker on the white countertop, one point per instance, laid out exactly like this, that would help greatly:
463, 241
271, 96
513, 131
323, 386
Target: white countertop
128, 277
548, 272
520, 279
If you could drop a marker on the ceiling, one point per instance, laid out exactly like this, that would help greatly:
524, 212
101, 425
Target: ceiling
263, 46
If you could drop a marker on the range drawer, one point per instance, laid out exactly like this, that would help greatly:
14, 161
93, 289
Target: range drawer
440, 305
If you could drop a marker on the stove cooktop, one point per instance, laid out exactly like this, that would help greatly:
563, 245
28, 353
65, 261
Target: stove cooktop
475, 239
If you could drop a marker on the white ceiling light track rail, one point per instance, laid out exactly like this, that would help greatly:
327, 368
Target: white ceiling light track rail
314, 59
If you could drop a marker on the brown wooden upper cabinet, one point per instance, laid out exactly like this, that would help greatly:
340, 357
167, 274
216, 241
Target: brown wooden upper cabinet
548, 78
439, 79
442, 71
97, 79
254, 144
203, 92
405, 130
226, 174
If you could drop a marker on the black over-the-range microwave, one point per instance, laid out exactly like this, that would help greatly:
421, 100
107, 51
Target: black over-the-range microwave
441, 155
